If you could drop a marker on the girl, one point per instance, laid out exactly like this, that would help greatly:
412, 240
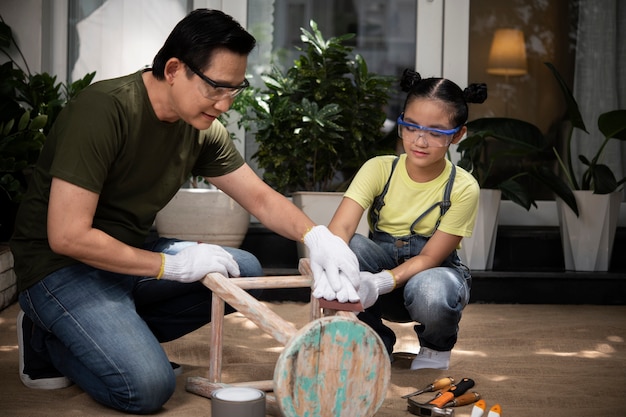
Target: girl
420, 207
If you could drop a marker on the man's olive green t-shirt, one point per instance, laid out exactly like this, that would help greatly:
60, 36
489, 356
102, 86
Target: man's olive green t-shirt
109, 140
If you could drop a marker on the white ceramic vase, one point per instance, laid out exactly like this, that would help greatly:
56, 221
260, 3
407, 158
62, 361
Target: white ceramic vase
203, 215
588, 239
477, 252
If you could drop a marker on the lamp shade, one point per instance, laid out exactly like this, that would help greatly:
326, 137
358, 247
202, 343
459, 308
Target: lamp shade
508, 53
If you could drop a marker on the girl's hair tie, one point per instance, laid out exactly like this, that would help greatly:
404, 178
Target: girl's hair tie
475, 93
409, 79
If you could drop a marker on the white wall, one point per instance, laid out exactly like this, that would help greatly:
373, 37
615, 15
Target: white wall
122, 36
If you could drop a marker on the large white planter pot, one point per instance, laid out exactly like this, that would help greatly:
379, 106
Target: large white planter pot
203, 215
321, 207
588, 239
477, 252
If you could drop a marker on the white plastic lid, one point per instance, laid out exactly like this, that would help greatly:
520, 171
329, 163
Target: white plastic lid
237, 394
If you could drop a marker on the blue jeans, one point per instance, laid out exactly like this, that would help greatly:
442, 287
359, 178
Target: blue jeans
433, 298
103, 330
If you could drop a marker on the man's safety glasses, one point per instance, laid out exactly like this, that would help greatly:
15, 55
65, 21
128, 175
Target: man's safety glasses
212, 90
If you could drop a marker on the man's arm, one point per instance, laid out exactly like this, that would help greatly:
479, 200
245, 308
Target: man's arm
270, 207
335, 267
70, 218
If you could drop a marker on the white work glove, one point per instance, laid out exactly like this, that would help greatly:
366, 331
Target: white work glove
335, 267
374, 285
321, 288
194, 262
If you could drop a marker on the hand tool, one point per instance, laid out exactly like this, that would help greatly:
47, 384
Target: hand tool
436, 385
434, 407
455, 391
467, 398
479, 409
495, 411
425, 410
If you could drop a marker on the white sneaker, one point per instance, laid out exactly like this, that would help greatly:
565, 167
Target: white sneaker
431, 359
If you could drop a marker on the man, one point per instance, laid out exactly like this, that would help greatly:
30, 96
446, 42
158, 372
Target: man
98, 299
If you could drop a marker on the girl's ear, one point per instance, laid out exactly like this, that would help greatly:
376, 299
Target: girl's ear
459, 135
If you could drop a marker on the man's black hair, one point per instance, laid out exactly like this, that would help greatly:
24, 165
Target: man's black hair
194, 39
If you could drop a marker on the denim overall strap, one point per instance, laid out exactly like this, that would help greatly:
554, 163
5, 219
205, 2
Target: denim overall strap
379, 201
405, 247
444, 205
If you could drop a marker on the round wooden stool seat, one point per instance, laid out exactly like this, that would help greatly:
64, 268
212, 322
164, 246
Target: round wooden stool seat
333, 367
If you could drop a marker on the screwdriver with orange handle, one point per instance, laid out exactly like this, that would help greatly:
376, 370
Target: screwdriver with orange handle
438, 384
467, 398
455, 391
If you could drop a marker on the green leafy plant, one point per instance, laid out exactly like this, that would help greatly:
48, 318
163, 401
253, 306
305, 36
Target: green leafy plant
29, 105
318, 121
525, 141
501, 153
597, 177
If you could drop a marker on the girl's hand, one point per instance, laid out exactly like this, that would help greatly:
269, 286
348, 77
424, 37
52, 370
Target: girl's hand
374, 285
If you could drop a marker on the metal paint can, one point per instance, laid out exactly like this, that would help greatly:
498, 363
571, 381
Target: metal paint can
238, 401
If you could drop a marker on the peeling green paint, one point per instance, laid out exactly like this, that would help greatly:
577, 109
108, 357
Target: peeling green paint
346, 335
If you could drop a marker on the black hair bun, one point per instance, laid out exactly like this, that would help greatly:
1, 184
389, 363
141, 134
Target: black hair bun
409, 79
475, 93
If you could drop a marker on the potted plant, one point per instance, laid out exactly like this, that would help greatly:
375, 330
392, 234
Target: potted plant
29, 105
499, 153
318, 121
588, 226
503, 154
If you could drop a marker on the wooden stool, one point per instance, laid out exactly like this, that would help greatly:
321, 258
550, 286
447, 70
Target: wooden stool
334, 366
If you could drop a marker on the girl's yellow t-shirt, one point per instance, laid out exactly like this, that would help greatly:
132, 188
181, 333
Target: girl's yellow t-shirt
406, 199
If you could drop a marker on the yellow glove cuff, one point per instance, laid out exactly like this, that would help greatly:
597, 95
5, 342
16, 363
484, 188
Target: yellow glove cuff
305, 233
162, 266
395, 280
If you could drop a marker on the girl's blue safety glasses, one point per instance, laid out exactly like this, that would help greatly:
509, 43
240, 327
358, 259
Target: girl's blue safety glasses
410, 132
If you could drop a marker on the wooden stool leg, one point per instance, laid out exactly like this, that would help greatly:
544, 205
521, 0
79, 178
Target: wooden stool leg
283, 329
268, 321
315, 310
217, 328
